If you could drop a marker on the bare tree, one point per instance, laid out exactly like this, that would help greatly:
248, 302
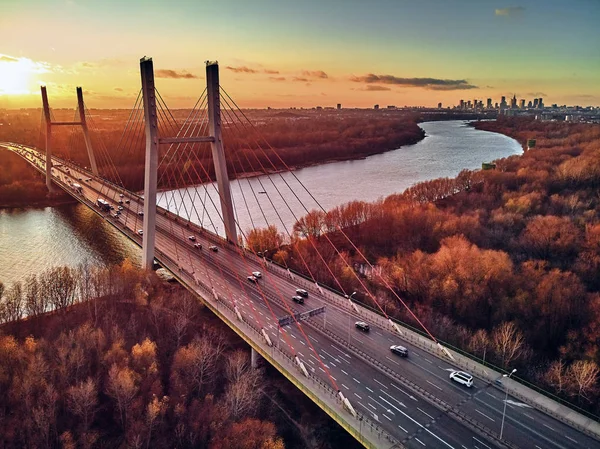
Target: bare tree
480, 343
196, 363
13, 302
243, 393
509, 343
35, 301
121, 387
556, 376
82, 401
583, 379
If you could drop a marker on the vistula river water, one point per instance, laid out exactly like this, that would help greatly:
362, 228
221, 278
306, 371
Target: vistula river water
32, 240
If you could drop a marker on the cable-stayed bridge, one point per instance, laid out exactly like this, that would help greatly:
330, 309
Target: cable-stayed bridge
200, 232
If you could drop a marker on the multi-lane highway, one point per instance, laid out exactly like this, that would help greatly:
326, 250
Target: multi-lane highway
412, 398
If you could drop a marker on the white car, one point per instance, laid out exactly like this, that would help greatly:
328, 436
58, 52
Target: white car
140, 232
257, 274
462, 378
192, 238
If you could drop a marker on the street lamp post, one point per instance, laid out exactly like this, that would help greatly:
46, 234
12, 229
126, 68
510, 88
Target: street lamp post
349, 316
505, 399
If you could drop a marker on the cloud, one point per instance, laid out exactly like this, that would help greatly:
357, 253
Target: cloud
242, 69
511, 11
277, 78
118, 89
374, 88
271, 72
4, 58
173, 74
303, 80
427, 83
315, 74
537, 94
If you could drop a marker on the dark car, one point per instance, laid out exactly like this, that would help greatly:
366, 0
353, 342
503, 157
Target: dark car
399, 350
298, 299
213, 248
361, 325
252, 279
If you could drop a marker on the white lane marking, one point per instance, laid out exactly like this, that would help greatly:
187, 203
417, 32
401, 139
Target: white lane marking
538, 447
332, 356
302, 342
430, 383
393, 361
356, 380
490, 395
332, 364
357, 396
381, 405
345, 387
379, 333
380, 383
483, 414
546, 425
400, 427
341, 352
313, 339
529, 416
310, 361
427, 360
321, 369
425, 413
389, 403
333, 378
293, 336
569, 438
481, 442
372, 406
404, 392
392, 397
416, 439
344, 372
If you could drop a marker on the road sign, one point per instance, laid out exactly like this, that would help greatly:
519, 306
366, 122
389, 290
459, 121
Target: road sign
288, 319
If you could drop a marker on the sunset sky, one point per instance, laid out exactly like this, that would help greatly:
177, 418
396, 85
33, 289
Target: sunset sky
302, 53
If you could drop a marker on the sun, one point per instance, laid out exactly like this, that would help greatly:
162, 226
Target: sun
16, 74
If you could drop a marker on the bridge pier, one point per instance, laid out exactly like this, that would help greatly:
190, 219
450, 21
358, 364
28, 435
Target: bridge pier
254, 358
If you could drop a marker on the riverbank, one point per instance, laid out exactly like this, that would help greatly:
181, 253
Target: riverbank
22, 186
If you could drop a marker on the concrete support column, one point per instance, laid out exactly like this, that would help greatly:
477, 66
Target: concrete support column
150, 173
86, 134
214, 129
48, 121
254, 358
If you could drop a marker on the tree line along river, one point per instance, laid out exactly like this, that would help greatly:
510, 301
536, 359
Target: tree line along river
34, 239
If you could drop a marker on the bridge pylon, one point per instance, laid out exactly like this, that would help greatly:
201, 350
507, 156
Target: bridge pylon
50, 124
151, 166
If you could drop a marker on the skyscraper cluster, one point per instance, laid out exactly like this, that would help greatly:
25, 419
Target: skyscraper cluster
476, 104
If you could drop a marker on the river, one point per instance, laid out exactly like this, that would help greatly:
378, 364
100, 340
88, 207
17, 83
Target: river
32, 240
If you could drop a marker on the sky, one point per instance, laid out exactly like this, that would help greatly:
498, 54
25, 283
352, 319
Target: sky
302, 53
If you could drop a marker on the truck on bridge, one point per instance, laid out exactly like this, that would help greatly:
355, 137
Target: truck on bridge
103, 204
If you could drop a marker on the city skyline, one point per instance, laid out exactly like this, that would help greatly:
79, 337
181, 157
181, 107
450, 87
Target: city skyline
282, 54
